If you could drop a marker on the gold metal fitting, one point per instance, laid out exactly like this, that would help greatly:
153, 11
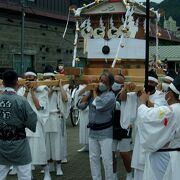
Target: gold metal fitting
127, 5
124, 30
97, 1
159, 34
77, 59
72, 8
159, 61
118, 59
77, 29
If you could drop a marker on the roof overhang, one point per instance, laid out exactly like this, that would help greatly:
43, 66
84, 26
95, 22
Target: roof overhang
35, 12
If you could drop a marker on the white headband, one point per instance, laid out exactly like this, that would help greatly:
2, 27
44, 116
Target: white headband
30, 74
150, 78
169, 78
174, 89
49, 74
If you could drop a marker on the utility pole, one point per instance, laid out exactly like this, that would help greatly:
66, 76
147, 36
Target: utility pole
22, 33
23, 14
147, 44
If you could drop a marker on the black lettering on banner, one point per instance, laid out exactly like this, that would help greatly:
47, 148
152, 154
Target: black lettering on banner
5, 111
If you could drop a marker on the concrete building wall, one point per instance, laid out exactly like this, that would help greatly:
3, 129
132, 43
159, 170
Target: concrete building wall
44, 26
43, 41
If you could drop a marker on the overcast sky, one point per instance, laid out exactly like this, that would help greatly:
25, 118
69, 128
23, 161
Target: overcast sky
157, 1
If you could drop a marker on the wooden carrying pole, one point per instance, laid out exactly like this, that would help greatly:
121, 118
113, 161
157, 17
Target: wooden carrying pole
22, 82
90, 86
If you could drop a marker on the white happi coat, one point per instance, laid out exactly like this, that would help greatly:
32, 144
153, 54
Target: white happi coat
139, 154
55, 127
37, 139
160, 128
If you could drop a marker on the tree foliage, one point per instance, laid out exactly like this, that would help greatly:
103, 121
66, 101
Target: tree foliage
169, 8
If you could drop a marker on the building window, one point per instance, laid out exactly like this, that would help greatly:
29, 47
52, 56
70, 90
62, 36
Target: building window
177, 67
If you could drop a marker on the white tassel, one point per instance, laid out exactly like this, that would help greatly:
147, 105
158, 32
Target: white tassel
145, 26
88, 25
137, 22
66, 25
101, 23
75, 44
119, 45
122, 19
157, 33
83, 24
85, 46
128, 12
79, 10
111, 22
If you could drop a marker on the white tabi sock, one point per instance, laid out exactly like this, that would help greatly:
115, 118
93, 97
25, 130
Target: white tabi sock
115, 177
64, 161
47, 175
129, 176
59, 171
51, 167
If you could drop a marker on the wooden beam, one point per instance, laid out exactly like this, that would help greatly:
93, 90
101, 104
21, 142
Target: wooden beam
99, 71
60, 76
90, 86
22, 82
72, 71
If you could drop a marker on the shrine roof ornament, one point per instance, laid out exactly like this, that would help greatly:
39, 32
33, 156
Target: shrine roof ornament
110, 7
108, 29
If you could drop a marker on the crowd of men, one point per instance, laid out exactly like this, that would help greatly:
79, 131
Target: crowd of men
114, 119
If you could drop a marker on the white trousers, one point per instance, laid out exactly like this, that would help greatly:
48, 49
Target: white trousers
138, 174
56, 149
23, 172
98, 149
83, 130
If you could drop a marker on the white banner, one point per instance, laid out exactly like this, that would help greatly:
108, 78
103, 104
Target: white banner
133, 48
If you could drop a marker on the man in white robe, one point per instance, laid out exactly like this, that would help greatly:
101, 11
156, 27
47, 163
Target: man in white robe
55, 128
160, 135
156, 98
38, 100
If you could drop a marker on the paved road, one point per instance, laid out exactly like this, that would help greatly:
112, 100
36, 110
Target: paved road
77, 167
